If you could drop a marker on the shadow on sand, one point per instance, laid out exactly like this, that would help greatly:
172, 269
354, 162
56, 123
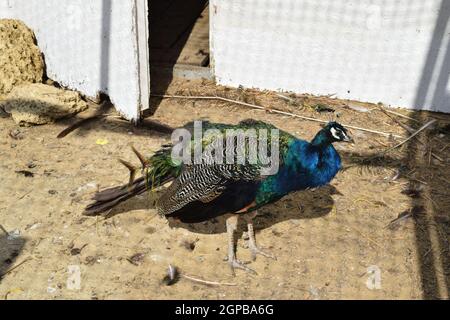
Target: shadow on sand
10, 249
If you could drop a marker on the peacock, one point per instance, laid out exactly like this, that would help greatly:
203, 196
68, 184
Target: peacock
203, 187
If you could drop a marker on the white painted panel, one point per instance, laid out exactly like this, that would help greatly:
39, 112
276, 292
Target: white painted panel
89, 46
393, 51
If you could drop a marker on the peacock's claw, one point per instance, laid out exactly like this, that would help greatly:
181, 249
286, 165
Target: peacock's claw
255, 251
236, 264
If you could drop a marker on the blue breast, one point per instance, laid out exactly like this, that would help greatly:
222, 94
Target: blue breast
305, 166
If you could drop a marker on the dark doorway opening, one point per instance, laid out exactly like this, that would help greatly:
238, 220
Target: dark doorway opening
178, 40
179, 33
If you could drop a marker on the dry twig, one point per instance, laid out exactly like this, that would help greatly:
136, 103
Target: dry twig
401, 115
15, 267
254, 106
426, 125
210, 283
173, 274
409, 129
285, 97
4, 230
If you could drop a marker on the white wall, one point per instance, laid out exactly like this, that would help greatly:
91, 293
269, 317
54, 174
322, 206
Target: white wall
89, 46
393, 51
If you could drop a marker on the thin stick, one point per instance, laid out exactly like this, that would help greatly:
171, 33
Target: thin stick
4, 230
401, 115
407, 128
25, 194
211, 283
345, 125
437, 157
285, 97
429, 156
269, 110
426, 125
15, 267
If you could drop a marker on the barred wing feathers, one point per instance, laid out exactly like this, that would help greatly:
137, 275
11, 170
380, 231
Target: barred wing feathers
203, 183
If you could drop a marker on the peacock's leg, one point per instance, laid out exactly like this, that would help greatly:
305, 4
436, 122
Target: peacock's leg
255, 250
232, 223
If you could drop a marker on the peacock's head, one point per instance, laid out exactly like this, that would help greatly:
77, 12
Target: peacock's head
336, 132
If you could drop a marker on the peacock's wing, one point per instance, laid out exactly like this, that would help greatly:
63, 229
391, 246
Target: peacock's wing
204, 183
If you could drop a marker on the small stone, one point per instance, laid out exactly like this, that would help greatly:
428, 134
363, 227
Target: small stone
26, 173
150, 230
136, 259
75, 251
90, 260
51, 290
16, 134
188, 245
48, 172
31, 165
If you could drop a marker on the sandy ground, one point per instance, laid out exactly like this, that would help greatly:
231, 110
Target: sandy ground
329, 242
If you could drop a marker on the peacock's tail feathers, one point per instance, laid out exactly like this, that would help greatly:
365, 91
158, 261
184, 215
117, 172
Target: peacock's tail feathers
158, 170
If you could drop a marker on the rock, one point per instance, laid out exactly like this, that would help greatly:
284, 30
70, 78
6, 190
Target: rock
20, 58
137, 259
51, 290
38, 103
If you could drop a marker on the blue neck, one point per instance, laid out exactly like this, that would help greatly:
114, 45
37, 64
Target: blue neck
321, 139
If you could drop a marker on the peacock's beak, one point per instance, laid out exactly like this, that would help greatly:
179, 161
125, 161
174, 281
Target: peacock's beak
348, 139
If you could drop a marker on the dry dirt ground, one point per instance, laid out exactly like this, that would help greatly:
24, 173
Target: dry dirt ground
330, 242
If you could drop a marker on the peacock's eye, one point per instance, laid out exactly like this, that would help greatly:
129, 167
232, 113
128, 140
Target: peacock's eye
336, 133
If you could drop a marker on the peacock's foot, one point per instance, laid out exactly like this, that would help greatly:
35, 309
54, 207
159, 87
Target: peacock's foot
236, 264
255, 251
252, 241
